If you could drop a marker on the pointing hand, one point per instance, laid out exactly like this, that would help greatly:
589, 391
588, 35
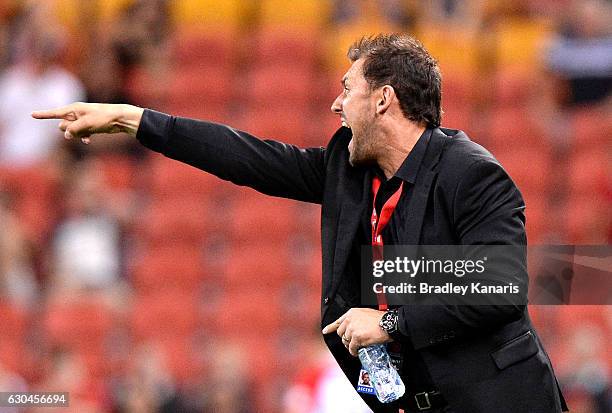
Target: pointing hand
81, 120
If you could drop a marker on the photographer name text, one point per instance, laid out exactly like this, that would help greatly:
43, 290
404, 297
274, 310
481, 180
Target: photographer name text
447, 288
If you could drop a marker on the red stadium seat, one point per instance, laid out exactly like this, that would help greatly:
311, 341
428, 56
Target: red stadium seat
96, 360
13, 357
118, 170
14, 320
302, 303
513, 88
78, 323
172, 179
260, 353
164, 315
260, 219
251, 303
170, 267
536, 213
569, 321
458, 89
530, 168
572, 316
285, 86
328, 88
587, 219
589, 126
287, 124
457, 117
204, 48
590, 171
181, 219
313, 272
515, 128
195, 107
34, 191
207, 84
262, 265
559, 325
308, 222
145, 87
319, 133
181, 358
281, 46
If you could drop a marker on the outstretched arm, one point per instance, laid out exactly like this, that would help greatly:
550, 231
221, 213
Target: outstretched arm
271, 167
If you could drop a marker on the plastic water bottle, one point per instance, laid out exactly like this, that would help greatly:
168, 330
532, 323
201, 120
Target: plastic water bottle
386, 380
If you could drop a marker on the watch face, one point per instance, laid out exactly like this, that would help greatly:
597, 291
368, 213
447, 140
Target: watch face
388, 322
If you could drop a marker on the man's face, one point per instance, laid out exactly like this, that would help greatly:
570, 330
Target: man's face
356, 107
366, 378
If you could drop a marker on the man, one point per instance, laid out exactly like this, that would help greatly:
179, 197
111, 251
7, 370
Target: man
451, 191
365, 378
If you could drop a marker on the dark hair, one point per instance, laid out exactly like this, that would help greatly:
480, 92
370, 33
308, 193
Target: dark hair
402, 62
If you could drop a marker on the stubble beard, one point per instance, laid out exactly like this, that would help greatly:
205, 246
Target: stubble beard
362, 152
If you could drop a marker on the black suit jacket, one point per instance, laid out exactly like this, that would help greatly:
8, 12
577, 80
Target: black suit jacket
481, 358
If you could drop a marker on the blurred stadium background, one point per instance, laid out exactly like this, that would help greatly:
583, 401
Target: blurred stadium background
142, 285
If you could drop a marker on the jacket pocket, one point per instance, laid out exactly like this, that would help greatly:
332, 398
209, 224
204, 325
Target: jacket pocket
515, 350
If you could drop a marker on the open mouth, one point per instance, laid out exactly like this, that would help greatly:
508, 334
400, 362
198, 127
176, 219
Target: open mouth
346, 125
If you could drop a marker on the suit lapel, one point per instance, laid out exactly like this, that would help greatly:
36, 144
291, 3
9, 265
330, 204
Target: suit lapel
419, 195
417, 203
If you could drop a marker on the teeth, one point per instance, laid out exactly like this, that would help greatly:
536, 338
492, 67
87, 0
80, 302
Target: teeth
345, 124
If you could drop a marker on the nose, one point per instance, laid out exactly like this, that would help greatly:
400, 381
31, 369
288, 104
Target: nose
337, 105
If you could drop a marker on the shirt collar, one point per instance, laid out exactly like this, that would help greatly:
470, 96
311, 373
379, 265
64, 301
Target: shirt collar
410, 167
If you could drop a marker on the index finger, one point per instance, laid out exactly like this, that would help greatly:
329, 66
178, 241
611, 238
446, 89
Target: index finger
57, 113
330, 328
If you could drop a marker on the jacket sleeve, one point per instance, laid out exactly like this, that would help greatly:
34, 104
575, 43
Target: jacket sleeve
270, 167
487, 210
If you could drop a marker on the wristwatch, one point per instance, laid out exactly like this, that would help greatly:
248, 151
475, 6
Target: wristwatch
388, 322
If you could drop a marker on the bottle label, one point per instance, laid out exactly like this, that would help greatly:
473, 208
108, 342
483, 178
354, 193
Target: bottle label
364, 383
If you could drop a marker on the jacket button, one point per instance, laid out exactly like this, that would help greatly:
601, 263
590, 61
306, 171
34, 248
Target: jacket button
326, 300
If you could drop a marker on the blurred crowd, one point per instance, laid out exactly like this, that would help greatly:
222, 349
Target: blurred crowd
141, 285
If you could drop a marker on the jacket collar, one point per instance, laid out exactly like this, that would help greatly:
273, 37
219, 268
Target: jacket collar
409, 169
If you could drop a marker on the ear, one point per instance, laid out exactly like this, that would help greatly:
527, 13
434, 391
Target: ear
386, 96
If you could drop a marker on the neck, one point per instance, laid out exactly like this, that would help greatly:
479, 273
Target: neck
398, 140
